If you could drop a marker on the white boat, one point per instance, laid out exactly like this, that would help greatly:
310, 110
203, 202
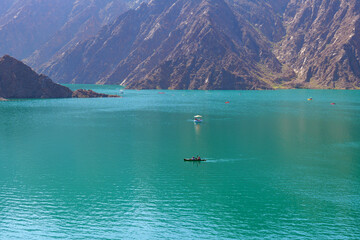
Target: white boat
198, 119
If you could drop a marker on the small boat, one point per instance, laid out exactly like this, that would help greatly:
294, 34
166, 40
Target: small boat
194, 160
198, 119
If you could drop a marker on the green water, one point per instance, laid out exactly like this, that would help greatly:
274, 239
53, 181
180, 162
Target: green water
278, 166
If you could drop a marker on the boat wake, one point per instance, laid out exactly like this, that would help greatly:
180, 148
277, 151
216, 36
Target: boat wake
218, 160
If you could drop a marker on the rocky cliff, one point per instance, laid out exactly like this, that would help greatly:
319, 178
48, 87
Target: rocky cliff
322, 43
175, 44
210, 44
19, 81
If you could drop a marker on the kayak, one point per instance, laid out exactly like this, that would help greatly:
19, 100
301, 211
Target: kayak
194, 160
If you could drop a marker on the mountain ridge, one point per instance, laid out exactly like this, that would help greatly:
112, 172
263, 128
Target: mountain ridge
322, 45
37, 31
165, 37
213, 44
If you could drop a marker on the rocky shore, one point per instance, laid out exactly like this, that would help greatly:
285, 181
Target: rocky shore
82, 93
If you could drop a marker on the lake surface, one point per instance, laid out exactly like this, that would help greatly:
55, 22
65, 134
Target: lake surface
278, 166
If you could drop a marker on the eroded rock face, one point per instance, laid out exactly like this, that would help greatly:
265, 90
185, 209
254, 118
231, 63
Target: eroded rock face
19, 81
265, 15
175, 44
220, 44
322, 43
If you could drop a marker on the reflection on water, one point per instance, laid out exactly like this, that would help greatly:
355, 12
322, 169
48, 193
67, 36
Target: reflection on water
197, 128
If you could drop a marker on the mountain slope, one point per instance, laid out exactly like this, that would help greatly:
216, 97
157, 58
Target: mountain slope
178, 44
84, 21
19, 81
265, 15
323, 43
194, 44
28, 24
40, 29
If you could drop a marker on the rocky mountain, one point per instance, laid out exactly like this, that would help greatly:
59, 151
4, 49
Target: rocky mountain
39, 30
206, 44
19, 81
265, 16
175, 44
322, 43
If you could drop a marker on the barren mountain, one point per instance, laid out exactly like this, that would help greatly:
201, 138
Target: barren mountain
40, 29
18, 80
178, 44
189, 44
265, 15
322, 43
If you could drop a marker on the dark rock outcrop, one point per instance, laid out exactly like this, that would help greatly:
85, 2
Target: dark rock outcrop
19, 81
82, 93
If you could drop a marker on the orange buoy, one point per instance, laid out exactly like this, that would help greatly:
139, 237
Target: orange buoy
333, 103
227, 102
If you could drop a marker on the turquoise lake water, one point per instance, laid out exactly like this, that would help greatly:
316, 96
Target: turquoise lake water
279, 166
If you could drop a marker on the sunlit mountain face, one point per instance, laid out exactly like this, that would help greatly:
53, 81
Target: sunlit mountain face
193, 44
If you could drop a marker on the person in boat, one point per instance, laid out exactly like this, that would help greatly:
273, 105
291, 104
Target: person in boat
193, 158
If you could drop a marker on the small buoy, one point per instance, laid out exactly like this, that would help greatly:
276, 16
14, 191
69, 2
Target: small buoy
310, 99
333, 103
227, 102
